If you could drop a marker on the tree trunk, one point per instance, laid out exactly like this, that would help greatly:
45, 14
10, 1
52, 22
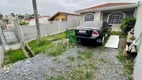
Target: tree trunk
36, 19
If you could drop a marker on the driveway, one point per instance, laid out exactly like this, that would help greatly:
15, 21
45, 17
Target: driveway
40, 67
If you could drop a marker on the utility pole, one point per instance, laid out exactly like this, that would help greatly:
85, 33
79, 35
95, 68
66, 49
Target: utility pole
36, 20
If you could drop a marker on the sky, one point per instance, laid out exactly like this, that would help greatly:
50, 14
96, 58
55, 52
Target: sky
50, 7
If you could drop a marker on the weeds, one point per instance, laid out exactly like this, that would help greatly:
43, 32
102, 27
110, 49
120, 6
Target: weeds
120, 33
71, 58
103, 60
128, 64
84, 54
57, 49
56, 78
80, 74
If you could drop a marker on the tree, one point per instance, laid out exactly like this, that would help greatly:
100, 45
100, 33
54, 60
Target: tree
36, 20
12, 14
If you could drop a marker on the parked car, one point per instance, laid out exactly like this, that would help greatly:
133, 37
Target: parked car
93, 30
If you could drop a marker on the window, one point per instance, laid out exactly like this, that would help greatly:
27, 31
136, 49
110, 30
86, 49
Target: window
89, 17
115, 18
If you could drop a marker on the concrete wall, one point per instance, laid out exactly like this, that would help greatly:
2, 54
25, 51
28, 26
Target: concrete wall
43, 20
138, 33
48, 29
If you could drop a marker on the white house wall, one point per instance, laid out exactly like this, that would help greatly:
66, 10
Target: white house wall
69, 17
138, 31
97, 16
41, 21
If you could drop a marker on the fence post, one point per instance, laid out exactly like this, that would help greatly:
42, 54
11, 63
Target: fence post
2, 38
59, 26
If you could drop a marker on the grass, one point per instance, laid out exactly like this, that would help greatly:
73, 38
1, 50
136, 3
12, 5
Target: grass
128, 64
71, 58
14, 56
57, 49
80, 74
59, 77
45, 43
120, 33
103, 60
84, 54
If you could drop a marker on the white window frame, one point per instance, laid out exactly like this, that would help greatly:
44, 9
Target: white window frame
87, 14
115, 12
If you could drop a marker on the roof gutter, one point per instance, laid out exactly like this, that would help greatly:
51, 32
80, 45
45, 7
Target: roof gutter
129, 6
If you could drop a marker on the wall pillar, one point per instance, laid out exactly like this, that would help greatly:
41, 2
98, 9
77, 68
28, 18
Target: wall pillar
98, 15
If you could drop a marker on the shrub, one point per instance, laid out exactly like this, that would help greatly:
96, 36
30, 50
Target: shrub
24, 23
127, 24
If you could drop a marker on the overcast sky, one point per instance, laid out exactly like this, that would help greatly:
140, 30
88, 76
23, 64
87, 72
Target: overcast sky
50, 7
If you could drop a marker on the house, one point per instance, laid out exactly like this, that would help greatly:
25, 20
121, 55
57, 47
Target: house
113, 13
42, 20
62, 16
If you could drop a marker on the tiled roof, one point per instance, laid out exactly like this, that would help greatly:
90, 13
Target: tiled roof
64, 13
106, 5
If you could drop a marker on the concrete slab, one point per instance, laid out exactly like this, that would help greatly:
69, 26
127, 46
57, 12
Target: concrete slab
113, 41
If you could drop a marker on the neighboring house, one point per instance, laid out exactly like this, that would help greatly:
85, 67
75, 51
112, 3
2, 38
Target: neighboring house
62, 16
42, 20
113, 13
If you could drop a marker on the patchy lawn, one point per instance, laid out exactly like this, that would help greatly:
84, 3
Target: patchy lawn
46, 43
14, 56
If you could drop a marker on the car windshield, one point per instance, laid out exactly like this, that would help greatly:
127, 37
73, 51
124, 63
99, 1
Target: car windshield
92, 24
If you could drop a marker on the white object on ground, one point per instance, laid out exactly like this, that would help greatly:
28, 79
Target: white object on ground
113, 41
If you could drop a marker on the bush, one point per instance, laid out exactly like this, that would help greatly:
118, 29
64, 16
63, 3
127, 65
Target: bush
127, 24
24, 23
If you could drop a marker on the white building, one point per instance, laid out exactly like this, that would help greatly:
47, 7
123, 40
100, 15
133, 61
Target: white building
42, 20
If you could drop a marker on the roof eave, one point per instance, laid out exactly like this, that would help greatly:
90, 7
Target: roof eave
129, 6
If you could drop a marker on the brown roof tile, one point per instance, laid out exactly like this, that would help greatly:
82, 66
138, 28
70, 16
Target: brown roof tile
106, 5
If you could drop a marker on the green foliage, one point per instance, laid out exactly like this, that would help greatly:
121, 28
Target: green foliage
57, 49
40, 47
127, 24
24, 23
14, 55
80, 74
84, 54
120, 33
71, 58
45, 43
56, 78
128, 64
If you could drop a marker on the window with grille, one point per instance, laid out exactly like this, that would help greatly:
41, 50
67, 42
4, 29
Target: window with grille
115, 18
89, 17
